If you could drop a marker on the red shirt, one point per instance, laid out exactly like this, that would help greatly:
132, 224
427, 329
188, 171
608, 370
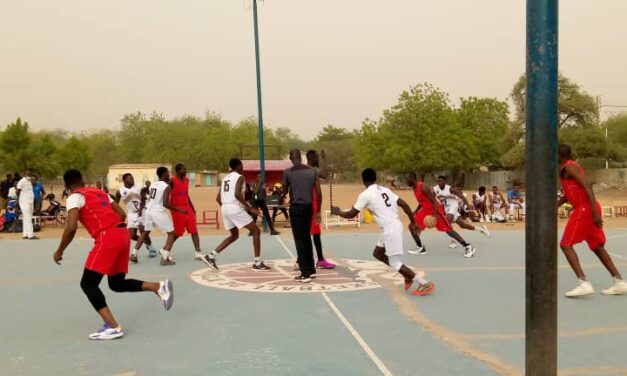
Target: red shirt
179, 195
575, 193
423, 199
97, 214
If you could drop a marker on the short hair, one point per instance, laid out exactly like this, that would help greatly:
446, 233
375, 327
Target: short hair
161, 170
9, 176
234, 162
126, 176
178, 167
482, 188
72, 177
494, 186
412, 175
311, 153
369, 175
35, 176
564, 150
442, 177
295, 153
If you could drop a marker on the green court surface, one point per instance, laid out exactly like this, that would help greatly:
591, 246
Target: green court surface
354, 320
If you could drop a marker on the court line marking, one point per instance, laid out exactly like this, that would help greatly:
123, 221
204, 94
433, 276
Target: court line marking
364, 345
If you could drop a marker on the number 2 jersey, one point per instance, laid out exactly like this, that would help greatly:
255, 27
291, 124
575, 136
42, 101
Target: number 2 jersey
132, 198
382, 202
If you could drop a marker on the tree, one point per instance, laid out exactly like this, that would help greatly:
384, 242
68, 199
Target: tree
44, 162
15, 146
338, 145
487, 120
586, 142
575, 107
420, 132
74, 153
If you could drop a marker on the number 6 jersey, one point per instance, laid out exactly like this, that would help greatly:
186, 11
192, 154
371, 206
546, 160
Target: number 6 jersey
381, 202
227, 190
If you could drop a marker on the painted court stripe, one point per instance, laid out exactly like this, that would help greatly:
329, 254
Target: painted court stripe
375, 359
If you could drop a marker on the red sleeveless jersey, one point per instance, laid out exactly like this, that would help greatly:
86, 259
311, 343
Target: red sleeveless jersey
575, 193
179, 195
423, 200
97, 214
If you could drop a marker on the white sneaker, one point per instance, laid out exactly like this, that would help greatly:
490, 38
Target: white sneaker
198, 256
166, 293
584, 288
619, 288
164, 254
452, 245
469, 251
484, 230
107, 332
482, 219
418, 251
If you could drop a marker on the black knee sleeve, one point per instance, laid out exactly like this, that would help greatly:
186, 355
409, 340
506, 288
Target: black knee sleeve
119, 283
89, 285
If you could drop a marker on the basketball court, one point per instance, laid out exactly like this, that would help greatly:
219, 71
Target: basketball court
354, 320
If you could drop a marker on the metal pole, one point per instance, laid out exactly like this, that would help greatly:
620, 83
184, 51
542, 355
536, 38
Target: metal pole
541, 176
262, 157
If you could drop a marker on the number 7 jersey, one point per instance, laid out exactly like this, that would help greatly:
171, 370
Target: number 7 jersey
381, 201
227, 189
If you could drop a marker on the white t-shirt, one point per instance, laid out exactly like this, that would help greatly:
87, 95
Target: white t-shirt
132, 198
26, 189
77, 200
12, 193
157, 189
227, 190
381, 201
445, 196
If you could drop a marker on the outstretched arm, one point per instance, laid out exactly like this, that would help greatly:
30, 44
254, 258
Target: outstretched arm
352, 213
407, 210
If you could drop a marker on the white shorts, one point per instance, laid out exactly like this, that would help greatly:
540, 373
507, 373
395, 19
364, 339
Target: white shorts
233, 215
452, 210
392, 239
160, 220
133, 220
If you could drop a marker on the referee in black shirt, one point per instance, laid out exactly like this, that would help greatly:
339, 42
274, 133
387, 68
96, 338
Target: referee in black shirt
301, 180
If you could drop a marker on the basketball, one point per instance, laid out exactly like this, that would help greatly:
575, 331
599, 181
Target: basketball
430, 221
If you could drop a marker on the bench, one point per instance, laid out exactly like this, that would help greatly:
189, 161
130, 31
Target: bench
620, 211
334, 220
210, 217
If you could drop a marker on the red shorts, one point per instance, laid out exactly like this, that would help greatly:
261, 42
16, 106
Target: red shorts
581, 227
315, 227
184, 222
443, 223
109, 256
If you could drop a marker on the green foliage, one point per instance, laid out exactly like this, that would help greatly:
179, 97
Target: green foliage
575, 107
421, 132
586, 142
617, 136
338, 146
74, 153
16, 146
487, 121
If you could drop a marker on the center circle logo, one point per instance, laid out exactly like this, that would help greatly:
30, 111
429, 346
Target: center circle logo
353, 275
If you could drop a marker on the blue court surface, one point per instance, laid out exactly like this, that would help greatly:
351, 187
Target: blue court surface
355, 320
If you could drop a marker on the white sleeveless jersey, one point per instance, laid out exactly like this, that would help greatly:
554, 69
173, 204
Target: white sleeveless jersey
381, 201
132, 198
444, 195
157, 189
227, 190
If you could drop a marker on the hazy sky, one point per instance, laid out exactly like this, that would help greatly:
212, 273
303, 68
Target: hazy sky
77, 64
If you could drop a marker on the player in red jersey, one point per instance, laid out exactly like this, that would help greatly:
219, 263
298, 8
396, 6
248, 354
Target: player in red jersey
179, 197
104, 221
584, 224
427, 204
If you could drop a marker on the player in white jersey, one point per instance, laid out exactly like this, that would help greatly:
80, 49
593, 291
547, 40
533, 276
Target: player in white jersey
130, 194
236, 214
156, 215
450, 199
383, 204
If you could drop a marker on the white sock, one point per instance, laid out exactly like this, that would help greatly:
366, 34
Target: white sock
213, 254
257, 260
134, 252
164, 254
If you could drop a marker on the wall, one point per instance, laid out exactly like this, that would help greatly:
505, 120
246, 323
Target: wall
504, 179
140, 174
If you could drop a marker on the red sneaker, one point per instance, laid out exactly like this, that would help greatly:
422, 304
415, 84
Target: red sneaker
424, 289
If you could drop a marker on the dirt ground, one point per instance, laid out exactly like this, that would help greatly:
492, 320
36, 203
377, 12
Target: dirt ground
344, 195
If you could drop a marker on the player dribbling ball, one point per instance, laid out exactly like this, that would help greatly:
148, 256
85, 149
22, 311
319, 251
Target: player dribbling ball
430, 221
